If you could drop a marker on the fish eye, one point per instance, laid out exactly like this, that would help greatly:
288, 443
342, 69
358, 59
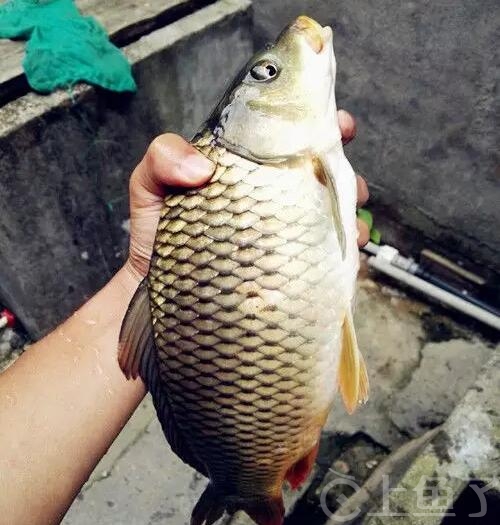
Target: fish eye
264, 70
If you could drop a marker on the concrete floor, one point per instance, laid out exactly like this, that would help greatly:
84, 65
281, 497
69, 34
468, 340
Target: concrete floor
139, 481
420, 362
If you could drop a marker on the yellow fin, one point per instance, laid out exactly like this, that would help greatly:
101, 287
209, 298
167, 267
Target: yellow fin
364, 385
353, 377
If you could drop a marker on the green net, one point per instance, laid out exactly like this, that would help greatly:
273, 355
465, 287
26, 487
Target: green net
63, 47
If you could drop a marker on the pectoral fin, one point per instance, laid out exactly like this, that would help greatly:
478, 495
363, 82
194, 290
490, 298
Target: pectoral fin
136, 335
364, 385
353, 376
324, 175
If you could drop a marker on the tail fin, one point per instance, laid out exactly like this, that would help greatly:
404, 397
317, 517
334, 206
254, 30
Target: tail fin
264, 511
208, 509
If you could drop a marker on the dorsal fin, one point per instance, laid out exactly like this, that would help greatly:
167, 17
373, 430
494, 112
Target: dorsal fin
352, 376
136, 334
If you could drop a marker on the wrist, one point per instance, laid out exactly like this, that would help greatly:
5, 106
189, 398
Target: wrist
129, 276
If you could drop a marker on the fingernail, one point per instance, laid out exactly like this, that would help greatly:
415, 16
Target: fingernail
347, 126
197, 166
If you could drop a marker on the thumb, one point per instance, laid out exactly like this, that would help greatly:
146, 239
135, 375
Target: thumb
169, 161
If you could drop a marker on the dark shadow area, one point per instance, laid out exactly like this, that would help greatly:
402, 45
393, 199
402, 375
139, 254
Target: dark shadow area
469, 503
340, 455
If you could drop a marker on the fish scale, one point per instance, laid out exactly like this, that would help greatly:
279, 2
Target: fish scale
242, 317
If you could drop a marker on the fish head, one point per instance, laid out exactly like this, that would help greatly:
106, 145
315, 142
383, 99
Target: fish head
282, 104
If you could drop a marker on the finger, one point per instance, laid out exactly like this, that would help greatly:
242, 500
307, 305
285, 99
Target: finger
347, 126
363, 193
170, 161
363, 233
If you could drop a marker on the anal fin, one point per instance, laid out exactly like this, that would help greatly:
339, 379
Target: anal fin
300, 471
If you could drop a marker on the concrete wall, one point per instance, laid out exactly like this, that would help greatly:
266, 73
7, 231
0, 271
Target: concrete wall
64, 165
422, 80
419, 76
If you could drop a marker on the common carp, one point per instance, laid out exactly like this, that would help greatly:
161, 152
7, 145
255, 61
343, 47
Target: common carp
243, 328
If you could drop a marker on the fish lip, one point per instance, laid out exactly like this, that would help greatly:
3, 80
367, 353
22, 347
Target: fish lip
327, 35
317, 37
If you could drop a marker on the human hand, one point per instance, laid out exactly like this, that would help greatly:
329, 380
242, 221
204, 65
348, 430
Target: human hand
348, 129
172, 161
169, 161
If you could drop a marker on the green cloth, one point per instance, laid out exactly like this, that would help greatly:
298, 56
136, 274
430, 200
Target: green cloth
63, 46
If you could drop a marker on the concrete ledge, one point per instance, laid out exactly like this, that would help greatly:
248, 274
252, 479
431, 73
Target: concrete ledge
65, 160
124, 21
466, 449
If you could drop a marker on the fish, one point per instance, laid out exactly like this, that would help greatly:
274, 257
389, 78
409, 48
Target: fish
243, 328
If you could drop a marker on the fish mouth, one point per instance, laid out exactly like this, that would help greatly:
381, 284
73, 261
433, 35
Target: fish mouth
316, 35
